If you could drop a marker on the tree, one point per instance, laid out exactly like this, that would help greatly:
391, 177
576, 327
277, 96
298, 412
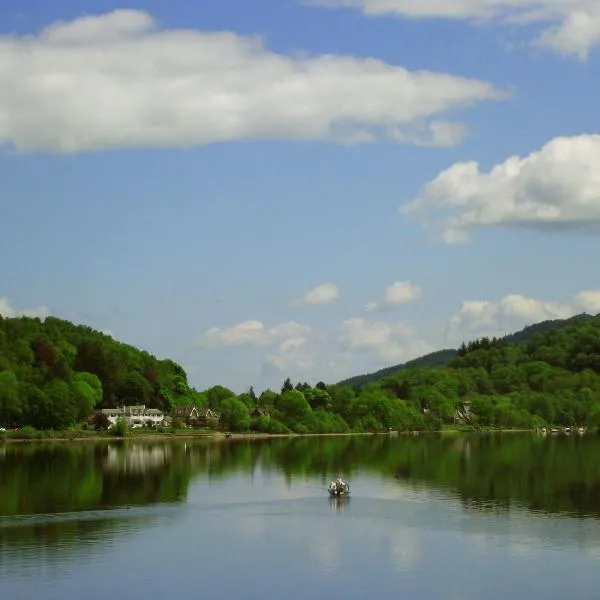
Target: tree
100, 421
294, 410
216, 395
10, 400
234, 415
121, 428
267, 398
87, 392
134, 389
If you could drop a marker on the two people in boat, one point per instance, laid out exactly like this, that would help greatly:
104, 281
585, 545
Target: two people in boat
340, 486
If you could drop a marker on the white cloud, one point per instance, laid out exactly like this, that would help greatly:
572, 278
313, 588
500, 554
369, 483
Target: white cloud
557, 187
400, 292
321, 294
570, 27
390, 342
588, 301
291, 356
118, 81
292, 344
6, 310
483, 317
250, 333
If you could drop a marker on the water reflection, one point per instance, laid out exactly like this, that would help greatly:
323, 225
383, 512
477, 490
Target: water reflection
339, 503
423, 509
488, 474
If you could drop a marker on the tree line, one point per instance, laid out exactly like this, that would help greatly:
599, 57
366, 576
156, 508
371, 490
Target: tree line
54, 374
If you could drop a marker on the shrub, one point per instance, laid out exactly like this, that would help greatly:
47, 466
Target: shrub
121, 428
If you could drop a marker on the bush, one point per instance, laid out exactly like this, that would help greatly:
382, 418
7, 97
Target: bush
100, 422
277, 427
177, 424
121, 428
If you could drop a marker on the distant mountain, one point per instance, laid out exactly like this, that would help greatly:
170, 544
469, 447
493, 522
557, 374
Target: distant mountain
440, 358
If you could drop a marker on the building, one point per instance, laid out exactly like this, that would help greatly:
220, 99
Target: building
188, 414
135, 416
197, 417
259, 411
207, 417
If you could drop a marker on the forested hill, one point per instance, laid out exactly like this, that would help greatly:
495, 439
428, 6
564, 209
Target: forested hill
441, 358
54, 373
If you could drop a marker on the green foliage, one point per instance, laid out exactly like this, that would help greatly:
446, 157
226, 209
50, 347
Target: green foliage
178, 423
53, 374
121, 429
216, 394
234, 415
442, 358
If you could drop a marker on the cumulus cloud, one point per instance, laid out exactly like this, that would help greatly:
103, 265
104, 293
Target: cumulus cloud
6, 310
570, 27
250, 333
484, 317
321, 294
117, 80
400, 292
292, 355
557, 187
390, 342
588, 301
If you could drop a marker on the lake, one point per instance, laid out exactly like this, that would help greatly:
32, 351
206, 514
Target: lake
453, 517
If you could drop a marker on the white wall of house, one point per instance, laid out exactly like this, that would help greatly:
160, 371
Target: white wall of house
134, 416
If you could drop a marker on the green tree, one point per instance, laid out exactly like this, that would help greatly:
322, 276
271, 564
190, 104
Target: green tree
10, 400
234, 415
217, 394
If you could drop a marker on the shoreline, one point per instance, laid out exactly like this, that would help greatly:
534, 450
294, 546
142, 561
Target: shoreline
217, 435
223, 436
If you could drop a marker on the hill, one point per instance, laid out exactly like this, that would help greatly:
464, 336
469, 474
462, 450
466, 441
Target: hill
54, 373
441, 358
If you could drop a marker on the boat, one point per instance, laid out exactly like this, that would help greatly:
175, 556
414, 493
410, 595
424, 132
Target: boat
338, 488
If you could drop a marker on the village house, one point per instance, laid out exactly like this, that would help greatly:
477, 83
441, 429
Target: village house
197, 417
135, 416
259, 411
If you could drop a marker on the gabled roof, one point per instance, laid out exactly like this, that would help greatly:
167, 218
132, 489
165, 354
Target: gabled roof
207, 413
187, 411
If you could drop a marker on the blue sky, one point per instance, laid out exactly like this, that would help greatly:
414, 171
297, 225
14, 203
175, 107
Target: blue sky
258, 209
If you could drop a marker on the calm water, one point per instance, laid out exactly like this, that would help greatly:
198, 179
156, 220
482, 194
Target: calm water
456, 518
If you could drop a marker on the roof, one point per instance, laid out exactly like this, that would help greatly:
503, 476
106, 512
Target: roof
207, 413
185, 411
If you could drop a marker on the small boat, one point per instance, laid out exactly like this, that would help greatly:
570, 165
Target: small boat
338, 488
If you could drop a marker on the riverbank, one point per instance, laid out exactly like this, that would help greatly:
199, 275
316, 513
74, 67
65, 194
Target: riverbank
93, 436
24, 436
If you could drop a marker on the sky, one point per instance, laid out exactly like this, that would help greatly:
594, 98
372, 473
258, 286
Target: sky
313, 189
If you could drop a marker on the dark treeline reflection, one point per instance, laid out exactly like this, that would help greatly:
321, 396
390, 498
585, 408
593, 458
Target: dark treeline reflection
42, 479
555, 474
552, 474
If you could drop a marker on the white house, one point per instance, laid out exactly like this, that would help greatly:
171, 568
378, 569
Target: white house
135, 416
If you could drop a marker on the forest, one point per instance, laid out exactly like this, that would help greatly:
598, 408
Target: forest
54, 375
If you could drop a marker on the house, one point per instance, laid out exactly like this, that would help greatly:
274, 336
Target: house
197, 417
188, 414
207, 417
259, 411
462, 415
135, 416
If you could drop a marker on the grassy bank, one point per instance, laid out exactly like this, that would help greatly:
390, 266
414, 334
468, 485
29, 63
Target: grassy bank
82, 435
28, 434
